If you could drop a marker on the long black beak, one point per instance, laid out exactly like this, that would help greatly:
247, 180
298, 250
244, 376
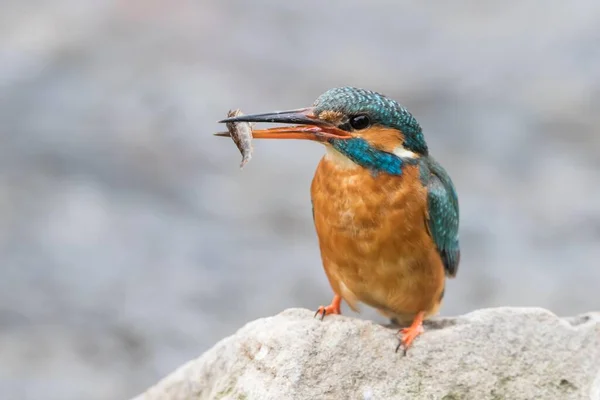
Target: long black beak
302, 116
311, 127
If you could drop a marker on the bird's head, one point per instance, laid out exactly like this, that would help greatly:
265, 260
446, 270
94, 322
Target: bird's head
348, 118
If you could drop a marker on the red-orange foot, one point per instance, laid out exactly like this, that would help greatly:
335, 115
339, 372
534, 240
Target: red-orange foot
333, 308
410, 334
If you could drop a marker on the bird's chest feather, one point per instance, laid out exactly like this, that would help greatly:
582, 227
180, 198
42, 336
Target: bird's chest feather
372, 233
365, 212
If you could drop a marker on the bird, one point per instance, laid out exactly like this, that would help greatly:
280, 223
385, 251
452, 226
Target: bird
385, 212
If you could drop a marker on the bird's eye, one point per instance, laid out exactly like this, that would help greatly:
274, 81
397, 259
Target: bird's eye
359, 122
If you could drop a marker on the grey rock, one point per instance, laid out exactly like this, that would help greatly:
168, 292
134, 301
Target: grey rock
501, 353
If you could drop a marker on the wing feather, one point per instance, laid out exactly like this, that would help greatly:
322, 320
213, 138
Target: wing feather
443, 216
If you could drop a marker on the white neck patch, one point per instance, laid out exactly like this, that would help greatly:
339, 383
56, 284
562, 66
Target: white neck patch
403, 153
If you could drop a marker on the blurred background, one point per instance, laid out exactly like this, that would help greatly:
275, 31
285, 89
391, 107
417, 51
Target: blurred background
130, 241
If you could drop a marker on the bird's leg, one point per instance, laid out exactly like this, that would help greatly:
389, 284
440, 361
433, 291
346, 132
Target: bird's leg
409, 334
333, 308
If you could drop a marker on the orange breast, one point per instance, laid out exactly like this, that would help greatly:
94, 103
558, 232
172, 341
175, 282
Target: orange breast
374, 241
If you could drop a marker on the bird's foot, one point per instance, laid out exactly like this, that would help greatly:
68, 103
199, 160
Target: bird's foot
333, 308
410, 334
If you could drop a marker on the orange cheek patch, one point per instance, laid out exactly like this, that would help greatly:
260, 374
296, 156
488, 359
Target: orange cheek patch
386, 139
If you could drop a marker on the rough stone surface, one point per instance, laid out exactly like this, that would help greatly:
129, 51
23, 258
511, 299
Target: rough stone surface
502, 353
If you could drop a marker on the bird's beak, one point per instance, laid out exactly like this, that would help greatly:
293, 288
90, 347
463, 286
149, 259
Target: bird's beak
309, 128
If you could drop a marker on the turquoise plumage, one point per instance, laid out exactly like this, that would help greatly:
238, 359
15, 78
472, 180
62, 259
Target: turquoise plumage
442, 203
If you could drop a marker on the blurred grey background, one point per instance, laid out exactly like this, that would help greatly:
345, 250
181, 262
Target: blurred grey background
131, 242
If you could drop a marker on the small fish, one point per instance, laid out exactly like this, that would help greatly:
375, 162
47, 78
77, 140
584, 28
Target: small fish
241, 133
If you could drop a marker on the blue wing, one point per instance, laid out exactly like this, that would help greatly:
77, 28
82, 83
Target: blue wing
442, 221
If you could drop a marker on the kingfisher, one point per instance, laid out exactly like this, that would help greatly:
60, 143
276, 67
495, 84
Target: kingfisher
385, 211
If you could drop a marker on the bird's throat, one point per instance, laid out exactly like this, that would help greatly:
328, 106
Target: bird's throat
360, 152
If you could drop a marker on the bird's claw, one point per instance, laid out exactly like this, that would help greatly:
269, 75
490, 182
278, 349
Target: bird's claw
333, 308
320, 310
323, 311
408, 335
